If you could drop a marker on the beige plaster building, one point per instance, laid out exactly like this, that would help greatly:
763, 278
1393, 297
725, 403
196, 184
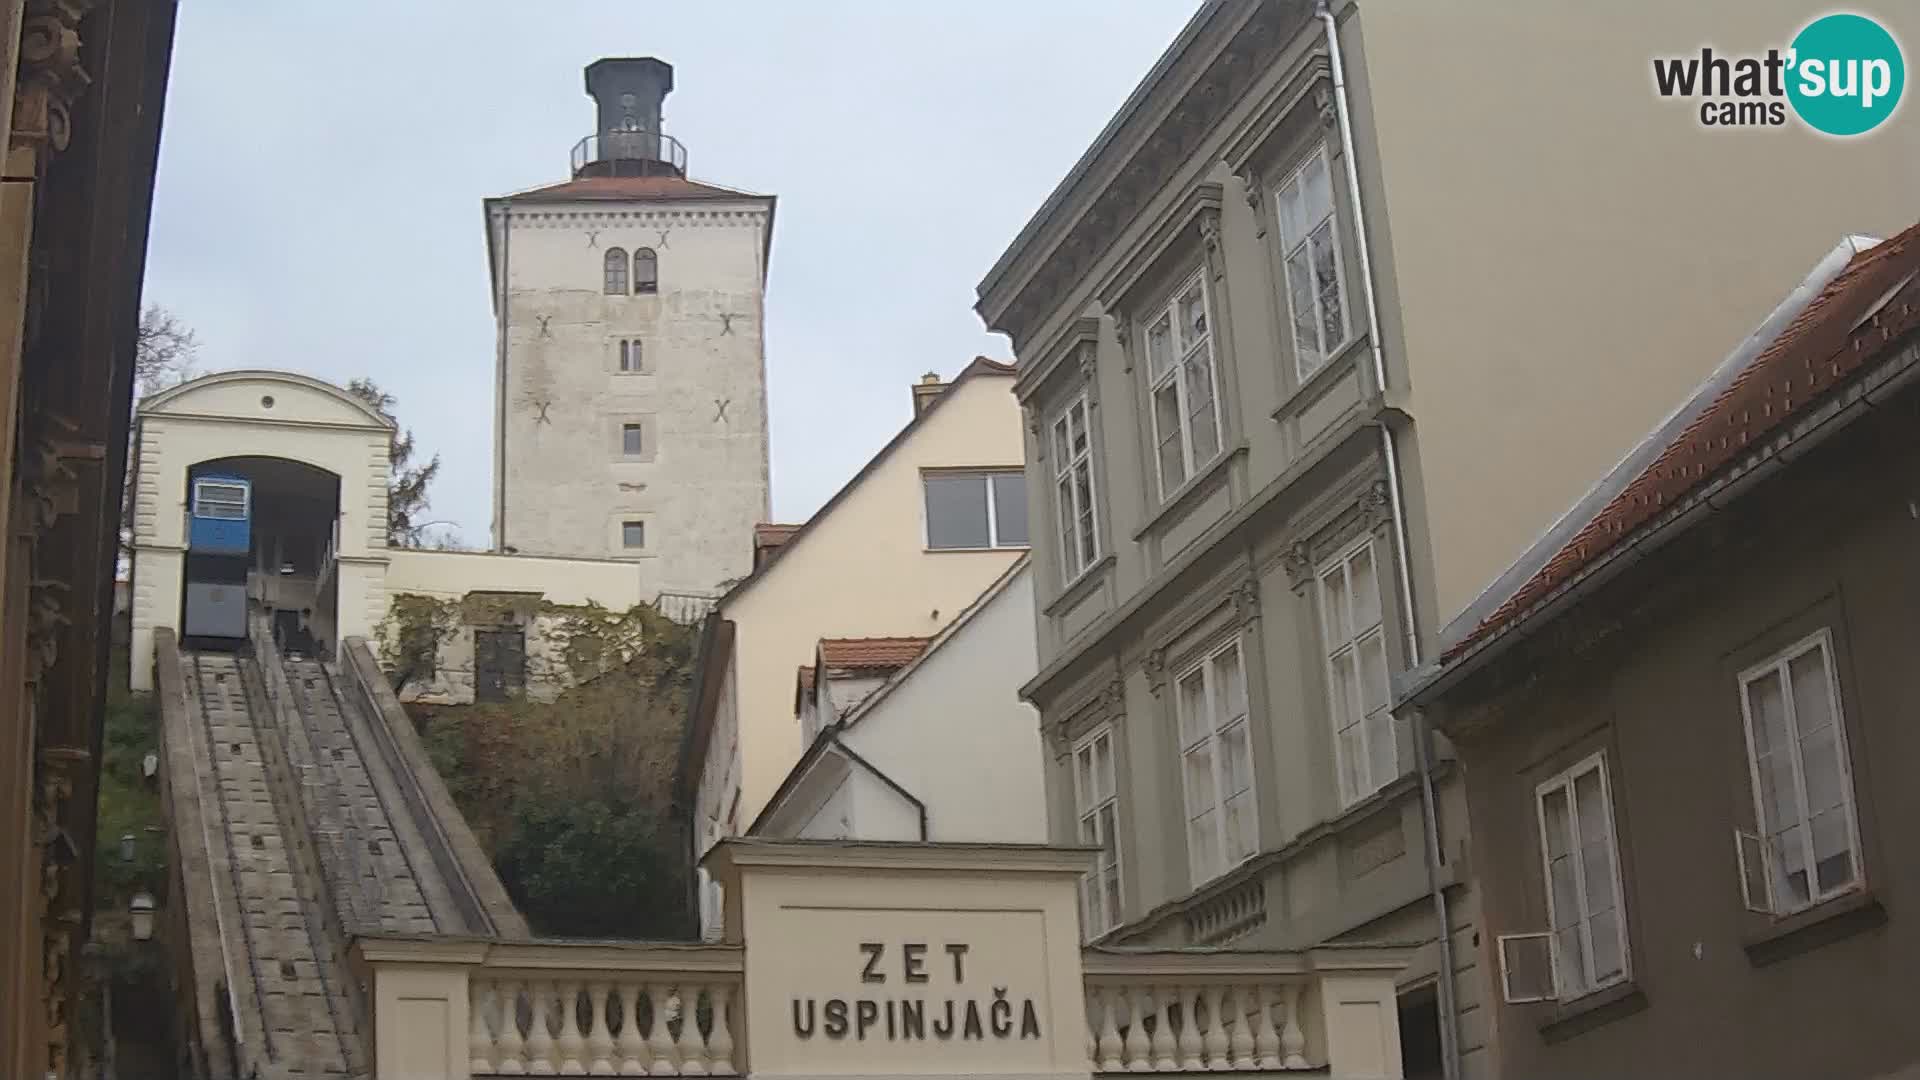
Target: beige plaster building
631, 412
921, 739
906, 546
1342, 308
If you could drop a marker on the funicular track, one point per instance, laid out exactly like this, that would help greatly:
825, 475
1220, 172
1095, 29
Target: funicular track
296, 985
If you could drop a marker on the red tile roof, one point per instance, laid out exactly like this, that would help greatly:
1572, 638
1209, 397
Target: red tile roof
768, 535
1817, 351
630, 187
871, 654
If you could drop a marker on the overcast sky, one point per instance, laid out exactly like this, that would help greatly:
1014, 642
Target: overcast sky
322, 166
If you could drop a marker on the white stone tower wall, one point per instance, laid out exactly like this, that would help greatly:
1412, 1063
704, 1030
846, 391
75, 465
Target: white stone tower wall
702, 480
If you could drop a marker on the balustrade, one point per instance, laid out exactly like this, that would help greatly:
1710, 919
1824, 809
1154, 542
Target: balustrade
602, 1023
1187, 1011
533, 1008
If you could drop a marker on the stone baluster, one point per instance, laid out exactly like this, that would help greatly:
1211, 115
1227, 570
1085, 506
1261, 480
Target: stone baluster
1190, 1043
660, 1042
570, 1047
1140, 1004
632, 1046
482, 997
1217, 1029
1266, 1039
693, 1050
1241, 1041
1109, 1045
1164, 1046
599, 1032
1293, 1041
539, 1036
511, 1048
720, 1042
1095, 1007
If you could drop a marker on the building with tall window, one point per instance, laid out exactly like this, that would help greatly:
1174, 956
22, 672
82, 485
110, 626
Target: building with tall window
630, 405
1688, 732
1311, 347
853, 595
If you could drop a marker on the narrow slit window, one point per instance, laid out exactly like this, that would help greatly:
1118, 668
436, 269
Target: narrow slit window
632, 440
646, 271
633, 535
1096, 801
615, 272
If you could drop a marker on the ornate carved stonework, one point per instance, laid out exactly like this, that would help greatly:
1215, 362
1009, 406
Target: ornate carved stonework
1246, 601
1155, 665
1113, 699
1299, 563
1252, 190
1089, 363
1376, 506
1250, 53
50, 76
1324, 101
45, 618
1123, 335
1210, 229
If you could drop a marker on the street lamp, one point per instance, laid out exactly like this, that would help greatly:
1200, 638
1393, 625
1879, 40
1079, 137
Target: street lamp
140, 909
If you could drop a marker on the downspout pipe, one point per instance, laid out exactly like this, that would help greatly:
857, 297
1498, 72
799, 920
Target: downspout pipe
504, 296
1423, 735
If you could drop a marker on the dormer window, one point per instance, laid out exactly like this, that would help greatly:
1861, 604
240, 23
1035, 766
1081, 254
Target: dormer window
646, 271
615, 266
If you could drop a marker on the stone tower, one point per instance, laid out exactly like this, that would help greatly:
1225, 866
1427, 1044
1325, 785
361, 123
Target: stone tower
630, 383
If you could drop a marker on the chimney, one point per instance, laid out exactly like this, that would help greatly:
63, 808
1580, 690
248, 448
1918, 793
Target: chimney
627, 141
924, 391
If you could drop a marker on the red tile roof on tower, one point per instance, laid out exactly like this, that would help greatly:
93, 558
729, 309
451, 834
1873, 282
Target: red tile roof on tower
591, 188
871, 654
1874, 300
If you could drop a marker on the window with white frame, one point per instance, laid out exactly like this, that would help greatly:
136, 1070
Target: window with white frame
1808, 846
1310, 249
1216, 755
976, 509
1073, 489
1180, 368
1587, 931
1096, 802
1365, 747
220, 499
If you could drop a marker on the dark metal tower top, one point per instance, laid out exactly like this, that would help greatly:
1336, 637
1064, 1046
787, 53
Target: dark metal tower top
627, 93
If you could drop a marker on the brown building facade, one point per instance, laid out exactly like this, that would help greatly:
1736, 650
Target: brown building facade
85, 80
1688, 736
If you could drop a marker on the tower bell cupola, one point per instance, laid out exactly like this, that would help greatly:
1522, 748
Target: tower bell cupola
627, 141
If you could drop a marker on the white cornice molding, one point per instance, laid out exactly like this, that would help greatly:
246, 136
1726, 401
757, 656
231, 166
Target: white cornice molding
572, 216
736, 853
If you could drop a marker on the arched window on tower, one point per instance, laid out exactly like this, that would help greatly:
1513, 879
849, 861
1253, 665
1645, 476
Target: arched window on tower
616, 272
646, 271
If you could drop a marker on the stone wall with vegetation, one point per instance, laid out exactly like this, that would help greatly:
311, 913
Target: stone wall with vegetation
427, 642
571, 796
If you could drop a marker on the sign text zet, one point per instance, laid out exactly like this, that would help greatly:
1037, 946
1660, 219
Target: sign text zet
915, 1015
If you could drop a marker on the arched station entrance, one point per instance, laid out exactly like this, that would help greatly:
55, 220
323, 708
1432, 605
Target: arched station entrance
258, 492
262, 539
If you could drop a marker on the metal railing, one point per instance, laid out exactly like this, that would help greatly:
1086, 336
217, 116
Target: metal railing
636, 152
